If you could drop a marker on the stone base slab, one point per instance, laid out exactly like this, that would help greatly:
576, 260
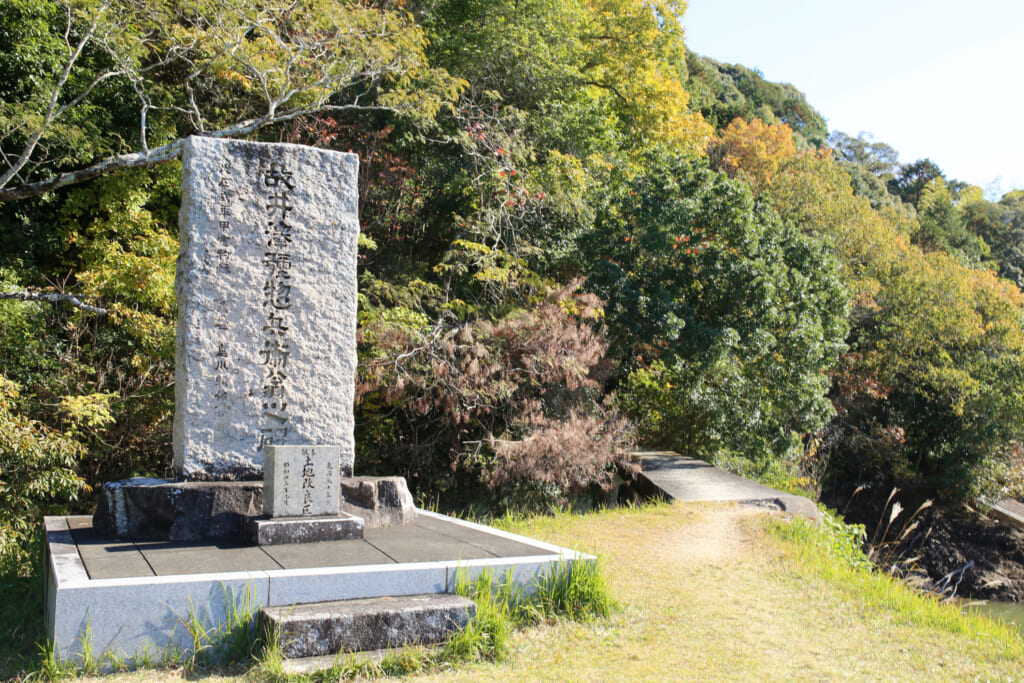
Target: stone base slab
282, 530
177, 510
326, 628
143, 508
143, 616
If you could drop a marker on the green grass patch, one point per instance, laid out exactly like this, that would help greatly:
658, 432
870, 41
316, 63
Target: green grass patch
830, 551
21, 625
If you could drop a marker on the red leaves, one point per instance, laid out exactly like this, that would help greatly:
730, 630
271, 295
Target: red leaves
523, 374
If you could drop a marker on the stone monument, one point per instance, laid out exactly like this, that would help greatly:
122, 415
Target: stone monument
265, 354
266, 287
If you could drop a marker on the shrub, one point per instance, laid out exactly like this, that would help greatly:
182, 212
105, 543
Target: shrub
509, 401
37, 477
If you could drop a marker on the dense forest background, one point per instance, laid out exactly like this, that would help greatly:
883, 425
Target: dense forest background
578, 236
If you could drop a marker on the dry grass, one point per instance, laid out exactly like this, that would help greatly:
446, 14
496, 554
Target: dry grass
708, 593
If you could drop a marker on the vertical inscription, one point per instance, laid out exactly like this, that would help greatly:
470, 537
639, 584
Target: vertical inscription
308, 477
266, 287
277, 185
219, 261
286, 480
301, 481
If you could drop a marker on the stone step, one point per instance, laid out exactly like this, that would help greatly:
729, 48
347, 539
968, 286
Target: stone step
281, 530
327, 628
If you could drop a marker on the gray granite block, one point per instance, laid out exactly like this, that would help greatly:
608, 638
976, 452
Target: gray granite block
107, 559
485, 540
267, 292
282, 530
176, 510
139, 614
126, 618
176, 559
416, 544
380, 501
326, 554
344, 583
301, 480
317, 629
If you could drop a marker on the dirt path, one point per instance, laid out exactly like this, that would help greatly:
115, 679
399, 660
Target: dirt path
717, 536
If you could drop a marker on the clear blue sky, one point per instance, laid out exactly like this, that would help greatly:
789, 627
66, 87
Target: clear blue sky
938, 79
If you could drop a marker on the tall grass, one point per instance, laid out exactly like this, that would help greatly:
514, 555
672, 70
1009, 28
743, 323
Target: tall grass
235, 640
569, 590
814, 550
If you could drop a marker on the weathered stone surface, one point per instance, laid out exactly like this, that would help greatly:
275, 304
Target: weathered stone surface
279, 531
301, 480
185, 511
324, 628
266, 287
380, 501
177, 510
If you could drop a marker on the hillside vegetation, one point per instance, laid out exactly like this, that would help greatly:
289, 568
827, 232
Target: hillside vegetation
577, 236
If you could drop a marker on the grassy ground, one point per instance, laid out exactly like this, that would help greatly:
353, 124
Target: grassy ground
720, 593
712, 593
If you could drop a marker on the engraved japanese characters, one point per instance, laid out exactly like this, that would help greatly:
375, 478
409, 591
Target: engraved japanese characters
266, 288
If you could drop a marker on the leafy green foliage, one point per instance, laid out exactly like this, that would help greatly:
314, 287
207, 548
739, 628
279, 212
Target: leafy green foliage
942, 228
911, 180
1001, 226
931, 385
871, 165
724, 92
622, 60
728, 316
537, 231
37, 476
128, 81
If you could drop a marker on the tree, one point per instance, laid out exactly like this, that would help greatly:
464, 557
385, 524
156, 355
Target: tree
753, 151
1001, 226
618, 63
876, 157
727, 317
931, 389
871, 166
723, 92
121, 83
911, 180
512, 401
942, 228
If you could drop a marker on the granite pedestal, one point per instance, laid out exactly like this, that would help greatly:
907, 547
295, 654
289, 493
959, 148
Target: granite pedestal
134, 597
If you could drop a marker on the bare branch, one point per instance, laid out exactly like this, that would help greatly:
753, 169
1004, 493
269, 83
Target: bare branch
178, 67
51, 111
134, 160
52, 297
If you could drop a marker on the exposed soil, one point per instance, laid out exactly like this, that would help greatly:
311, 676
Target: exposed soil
958, 538
717, 536
955, 547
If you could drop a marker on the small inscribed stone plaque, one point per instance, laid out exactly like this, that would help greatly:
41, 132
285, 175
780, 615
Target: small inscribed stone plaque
266, 287
301, 481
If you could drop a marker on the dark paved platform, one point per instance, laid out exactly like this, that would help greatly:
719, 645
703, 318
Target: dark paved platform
425, 540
